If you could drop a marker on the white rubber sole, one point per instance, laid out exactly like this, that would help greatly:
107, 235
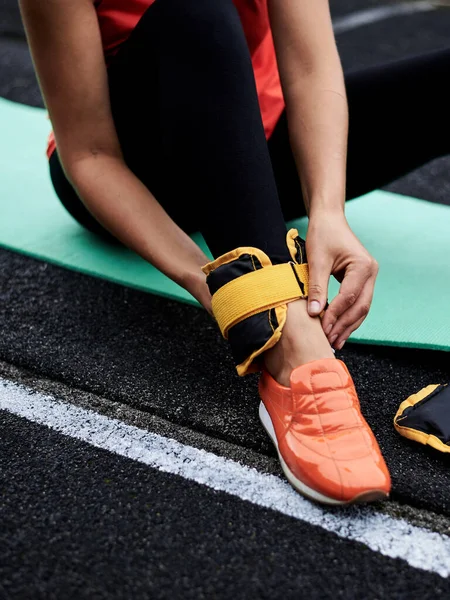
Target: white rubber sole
301, 487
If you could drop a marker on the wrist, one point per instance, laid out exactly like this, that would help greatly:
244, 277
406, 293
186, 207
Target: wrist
321, 210
195, 283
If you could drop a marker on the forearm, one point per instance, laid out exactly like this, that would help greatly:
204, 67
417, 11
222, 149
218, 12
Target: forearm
66, 45
316, 104
318, 128
126, 208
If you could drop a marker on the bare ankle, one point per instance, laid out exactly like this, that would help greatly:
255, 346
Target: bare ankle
302, 341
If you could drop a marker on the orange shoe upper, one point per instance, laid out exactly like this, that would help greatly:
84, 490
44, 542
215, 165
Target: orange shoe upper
322, 435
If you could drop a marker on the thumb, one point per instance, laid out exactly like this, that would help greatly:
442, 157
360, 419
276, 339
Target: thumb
319, 276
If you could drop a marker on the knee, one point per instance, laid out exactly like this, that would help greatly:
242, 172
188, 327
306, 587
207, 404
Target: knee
211, 29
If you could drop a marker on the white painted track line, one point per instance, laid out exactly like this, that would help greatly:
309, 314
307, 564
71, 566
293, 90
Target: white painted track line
380, 13
419, 547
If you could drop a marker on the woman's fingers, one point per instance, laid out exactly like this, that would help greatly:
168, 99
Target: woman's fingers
349, 293
319, 276
339, 343
352, 318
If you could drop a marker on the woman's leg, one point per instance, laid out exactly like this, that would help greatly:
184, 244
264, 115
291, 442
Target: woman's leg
398, 121
185, 105
186, 110
211, 147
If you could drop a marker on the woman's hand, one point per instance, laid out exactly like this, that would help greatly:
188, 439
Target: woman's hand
333, 249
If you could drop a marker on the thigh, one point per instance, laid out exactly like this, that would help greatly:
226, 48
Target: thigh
186, 109
135, 96
140, 88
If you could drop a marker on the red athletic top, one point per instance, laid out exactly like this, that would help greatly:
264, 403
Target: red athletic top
117, 19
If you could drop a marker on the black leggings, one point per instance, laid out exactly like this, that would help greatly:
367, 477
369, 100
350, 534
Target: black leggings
186, 111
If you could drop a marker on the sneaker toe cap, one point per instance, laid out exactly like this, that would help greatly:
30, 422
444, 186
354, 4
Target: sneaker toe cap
338, 478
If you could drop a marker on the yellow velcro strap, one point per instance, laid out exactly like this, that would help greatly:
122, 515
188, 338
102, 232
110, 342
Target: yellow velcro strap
257, 291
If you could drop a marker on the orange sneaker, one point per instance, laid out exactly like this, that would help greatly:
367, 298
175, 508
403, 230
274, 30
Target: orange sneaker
326, 448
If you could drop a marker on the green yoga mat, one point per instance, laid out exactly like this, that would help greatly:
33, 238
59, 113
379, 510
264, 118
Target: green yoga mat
409, 237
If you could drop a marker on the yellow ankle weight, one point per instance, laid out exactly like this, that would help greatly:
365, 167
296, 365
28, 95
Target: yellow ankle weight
250, 297
424, 417
258, 291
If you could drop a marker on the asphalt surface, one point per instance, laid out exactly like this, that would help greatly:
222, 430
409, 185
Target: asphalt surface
169, 359
80, 522
105, 527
